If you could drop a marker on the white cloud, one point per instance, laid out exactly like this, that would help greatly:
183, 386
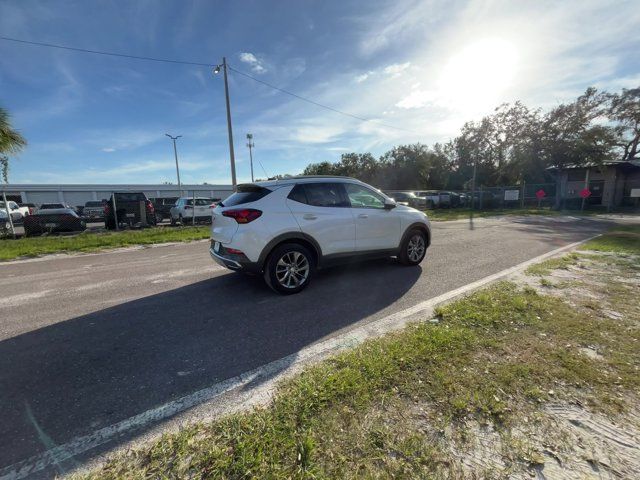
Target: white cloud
362, 77
108, 149
257, 66
396, 69
416, 99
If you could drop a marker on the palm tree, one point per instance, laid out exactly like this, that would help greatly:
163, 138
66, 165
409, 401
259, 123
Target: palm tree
11, 142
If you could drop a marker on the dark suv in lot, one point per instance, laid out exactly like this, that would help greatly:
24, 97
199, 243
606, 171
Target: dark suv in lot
128, 210
163, 206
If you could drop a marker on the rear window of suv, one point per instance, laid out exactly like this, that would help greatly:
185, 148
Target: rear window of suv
245, 194
130, 197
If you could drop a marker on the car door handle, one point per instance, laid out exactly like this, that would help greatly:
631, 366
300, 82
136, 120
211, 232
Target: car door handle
363, 215
309, 216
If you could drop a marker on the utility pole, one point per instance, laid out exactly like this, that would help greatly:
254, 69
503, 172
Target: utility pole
250, 144
175, 152
473, 186
229, 129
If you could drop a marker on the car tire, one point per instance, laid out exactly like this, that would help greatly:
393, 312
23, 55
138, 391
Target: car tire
158, 218
173, 221
180, 220
289, 268
413, 248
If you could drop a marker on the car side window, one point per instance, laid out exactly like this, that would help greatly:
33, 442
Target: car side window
326, 194
363, 197
298, 194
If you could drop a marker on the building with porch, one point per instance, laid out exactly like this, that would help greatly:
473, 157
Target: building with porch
613, 185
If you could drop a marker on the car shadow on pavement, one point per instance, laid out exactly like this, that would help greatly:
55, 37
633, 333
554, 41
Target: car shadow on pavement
78, 376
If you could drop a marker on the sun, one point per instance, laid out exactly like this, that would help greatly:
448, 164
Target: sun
475, 77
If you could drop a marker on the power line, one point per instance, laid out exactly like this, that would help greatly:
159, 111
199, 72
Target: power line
99, 52
313, 102
200, 64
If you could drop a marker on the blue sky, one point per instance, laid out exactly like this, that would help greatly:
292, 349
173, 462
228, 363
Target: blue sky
424, 66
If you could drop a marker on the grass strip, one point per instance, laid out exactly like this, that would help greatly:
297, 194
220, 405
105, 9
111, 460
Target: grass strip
89, 242
621, 240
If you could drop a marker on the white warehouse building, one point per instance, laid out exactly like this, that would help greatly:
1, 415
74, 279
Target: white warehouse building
77, 195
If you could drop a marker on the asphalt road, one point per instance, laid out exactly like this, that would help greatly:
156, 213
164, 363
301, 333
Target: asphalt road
90, 340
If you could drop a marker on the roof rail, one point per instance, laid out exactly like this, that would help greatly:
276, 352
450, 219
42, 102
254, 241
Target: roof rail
321, 176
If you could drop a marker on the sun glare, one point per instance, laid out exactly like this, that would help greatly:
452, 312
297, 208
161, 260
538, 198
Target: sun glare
475, 77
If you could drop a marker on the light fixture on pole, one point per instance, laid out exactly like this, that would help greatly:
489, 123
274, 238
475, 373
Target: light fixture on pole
216, 70
250, 144
175, 152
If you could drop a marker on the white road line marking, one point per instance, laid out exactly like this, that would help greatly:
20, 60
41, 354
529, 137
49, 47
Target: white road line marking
282, 366
16, 300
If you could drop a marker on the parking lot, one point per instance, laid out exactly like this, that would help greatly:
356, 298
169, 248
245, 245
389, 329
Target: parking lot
90, 340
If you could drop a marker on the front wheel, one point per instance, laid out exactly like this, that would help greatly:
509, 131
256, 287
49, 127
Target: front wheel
413, 248
289, 268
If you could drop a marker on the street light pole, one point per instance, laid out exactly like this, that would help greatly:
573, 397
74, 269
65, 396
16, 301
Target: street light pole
175, 152
229, 129
250, 144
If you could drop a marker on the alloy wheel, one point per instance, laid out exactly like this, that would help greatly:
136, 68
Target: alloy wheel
292, 270
416, 248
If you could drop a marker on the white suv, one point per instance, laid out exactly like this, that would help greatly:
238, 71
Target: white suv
184, 211
286, 229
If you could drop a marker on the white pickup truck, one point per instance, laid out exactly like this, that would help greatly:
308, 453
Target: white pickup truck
17, 212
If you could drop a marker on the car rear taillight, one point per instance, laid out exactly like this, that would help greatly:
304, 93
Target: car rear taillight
234, 251
149, 206
244, 215
107, 209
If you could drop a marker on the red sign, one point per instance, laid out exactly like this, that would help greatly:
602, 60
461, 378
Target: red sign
585, 193
540, 194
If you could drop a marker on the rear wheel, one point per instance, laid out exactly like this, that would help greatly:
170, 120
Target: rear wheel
289, 268
413, 248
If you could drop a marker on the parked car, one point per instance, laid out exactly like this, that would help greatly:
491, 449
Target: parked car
31, 206
163, 206
53, 220
432, 197
128, 210
286, 229
4, 223
93, 210
409, 198
17, 212
50, 206
184, 210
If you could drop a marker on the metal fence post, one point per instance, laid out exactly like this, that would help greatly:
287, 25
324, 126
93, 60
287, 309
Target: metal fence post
524, 186
115, 211
193, 222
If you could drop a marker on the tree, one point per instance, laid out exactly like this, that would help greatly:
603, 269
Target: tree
624, 108
512, 145
11, 142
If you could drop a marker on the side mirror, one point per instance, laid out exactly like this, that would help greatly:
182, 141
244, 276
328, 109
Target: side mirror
389, 204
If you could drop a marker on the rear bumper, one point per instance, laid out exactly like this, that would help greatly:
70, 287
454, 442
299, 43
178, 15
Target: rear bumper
234, 262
